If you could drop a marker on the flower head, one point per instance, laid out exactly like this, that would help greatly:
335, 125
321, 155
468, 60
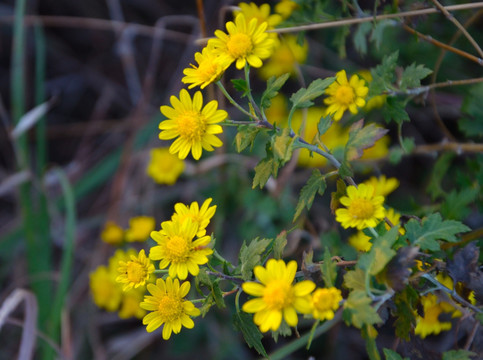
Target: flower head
107, 294
163, 167
382, 185
430, 323
210, 68
139, 228
360, 241
177, 249
167, 306
363, 209
194, 126
135, 272
277, 296
130, 304
200, 216
261, 13
344, 94
285, 8
324, 302
112, 233
245, 42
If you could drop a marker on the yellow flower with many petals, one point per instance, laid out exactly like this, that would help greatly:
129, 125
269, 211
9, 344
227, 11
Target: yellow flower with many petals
382, 185
168, 307
163, 167
107, 294
362, 208
135, 272
130, 304
285, 8
345, 95
430, 323
324, 302
261, 13
177, 249
245, 42
194, 126
210, 68
139, 228
360, 241
277, 296
112, 233
200, 216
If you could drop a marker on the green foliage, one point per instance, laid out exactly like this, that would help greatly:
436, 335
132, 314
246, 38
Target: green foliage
405, 302
456, 204
412, 76
383, 75
392, 355
315, 184
279, 245
439, 173
358, 310
380, 254
264, 169
274, 84
458, 355
245, 137
241, 85
251, 334
324, 124
328, 269
355, 279
431, 229
472, 124
303, 98
361, 138
250, 256
395, 110
282, 146
369, 334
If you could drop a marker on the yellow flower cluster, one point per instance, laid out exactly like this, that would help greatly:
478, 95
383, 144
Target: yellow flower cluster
164, 167
139, 229
277, 297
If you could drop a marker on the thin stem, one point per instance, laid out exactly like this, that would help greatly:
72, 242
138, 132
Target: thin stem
233, 102
161, 271
448, 146
423, 89
235, 123
250, 96
237, 300
225, 277
302, 143
373, 232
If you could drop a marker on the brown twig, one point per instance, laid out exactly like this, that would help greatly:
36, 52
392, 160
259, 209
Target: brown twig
448, 146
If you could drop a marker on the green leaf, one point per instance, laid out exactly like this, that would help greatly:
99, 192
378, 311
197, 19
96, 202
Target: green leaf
246, 136
405, 302
479, 317
378, 32
324, 124
358, 310
431, 229
250, 256
274, 84
279, 245
251, 333
355, 279
328, 269
440, 171
241, 85
412, 76
472, 124
284, 330
361, 138
455, 206
315, 184
380, 254
395, 110
303, 98
392, 355
345, 169
458, 355
282, 146
383, 75
369, 334
360, 37
218, 295
264, 169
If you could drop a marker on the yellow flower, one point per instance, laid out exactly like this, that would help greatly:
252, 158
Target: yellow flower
261, 13
112, 233
177, 249
363, 209
200, 217
344, 94
429, 323
277, 295
130, 304
194, 125
210, 68
382, 185
163, 167
245, 42
168, 307
120, 255
324, 302
360, 241
105, 291
285, 8
135, 272
374, 102
393, 216
139, 228
286, 55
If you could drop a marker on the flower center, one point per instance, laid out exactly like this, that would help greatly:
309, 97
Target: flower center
135, 272
278, 295
207, 70
344, 95
325, 300
170, 308
361, 209
239, 45
177, 249
191, 125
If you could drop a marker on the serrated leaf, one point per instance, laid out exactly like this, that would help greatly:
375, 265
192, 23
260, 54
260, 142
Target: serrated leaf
471, 124
282, 146
369, 333
345, 169
383, 75
264, 169
359, 311
328, 269
279, 245
250, 256
405, 302
360, 37
241, 85
412, 76
392, 355
456, 204
336, 195
439, 172
303, 98
378, 32
246, 136
432, 229
458, 355
355, 279
218, 295
274, 84
395, 110
315, 184
380, 254
361, 138
324, 124
251, 333
283, 330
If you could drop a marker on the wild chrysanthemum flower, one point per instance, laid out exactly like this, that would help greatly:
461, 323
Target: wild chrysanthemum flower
210, 68
277, 296
168, 307
135, 272
324, 302
177, 249
194, 126
344, 94
107, 294
163, 167
139, 228
112, 233
130, 304
360, 241
285, 8
245, 42
430, 323
382, 185
363, 209
200, 216
261, 13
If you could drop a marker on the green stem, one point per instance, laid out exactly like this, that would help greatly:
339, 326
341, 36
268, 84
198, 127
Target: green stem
373, 232
303, 144
237, 300
233, 102
250, 97
161, 271
290, 115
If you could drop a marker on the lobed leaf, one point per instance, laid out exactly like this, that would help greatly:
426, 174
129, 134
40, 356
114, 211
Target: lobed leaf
241, 85
412, 76
264, 169
303, 98
380, 254
274, 84
246, 136
250, 331
328, 269
250, 256
315, 184
358, 310
279, 245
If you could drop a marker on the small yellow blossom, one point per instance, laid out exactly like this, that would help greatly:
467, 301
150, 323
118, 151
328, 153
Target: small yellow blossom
393, 216
177, 249
363, 209
135, 272
261, 13
245, 42
285, 8
120, 255
130, 304
168, 307
360, 241
112, 233
164, 167
430, 323
194, 126
139, 228
277, 296
107, 294
199, 216
345, 95
324, 302
382, 185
